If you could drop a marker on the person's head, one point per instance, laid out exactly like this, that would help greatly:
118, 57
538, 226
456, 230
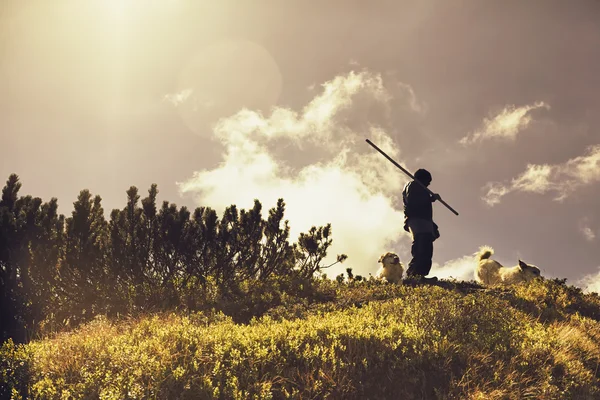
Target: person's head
423, 176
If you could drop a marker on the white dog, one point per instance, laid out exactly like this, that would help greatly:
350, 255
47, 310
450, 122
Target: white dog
491, 272
391, 269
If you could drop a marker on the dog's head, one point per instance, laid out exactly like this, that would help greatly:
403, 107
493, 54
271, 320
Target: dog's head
529, 271
389, 259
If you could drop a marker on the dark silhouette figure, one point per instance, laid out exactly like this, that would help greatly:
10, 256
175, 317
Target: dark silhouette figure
418, 220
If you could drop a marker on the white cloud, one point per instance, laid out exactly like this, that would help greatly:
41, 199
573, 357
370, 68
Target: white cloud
561, 179
585, 229
179, 97
590, 283
506, 125
588, 233
342, 181
462, 268
414, 103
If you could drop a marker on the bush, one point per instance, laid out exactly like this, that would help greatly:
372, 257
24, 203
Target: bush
15, 373
400, 342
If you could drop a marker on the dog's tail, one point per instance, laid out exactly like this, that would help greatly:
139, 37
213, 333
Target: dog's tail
485, 252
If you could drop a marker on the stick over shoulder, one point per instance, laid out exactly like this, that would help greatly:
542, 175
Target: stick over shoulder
411, 176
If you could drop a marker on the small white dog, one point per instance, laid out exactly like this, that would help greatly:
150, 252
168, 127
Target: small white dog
391, 268
491, 272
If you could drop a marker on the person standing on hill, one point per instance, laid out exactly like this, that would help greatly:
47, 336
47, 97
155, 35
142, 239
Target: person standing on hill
418, 220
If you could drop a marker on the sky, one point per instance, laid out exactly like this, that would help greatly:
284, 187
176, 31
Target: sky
225, 102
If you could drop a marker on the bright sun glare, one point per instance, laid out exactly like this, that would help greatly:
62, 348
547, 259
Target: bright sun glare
125, 10
120, 8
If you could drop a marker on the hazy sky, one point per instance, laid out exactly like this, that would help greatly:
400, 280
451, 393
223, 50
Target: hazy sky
221, 102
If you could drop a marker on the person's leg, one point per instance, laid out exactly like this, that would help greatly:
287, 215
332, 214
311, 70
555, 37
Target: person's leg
426, 254
422, 252
413, 264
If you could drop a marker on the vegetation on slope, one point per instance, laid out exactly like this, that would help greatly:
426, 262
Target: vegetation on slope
58, 272
360, 340
160, 302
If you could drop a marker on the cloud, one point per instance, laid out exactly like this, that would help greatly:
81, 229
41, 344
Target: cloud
506, 125
416, 105
587, 232
317, 160
590, 283
562, 179
462, 268
179, 97
223, 77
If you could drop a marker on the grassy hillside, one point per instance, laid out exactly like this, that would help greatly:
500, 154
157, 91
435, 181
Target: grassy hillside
359, 340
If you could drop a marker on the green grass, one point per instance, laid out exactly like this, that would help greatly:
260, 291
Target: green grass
360, 340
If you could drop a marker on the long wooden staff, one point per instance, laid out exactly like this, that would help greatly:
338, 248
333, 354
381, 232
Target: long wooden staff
411, 176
